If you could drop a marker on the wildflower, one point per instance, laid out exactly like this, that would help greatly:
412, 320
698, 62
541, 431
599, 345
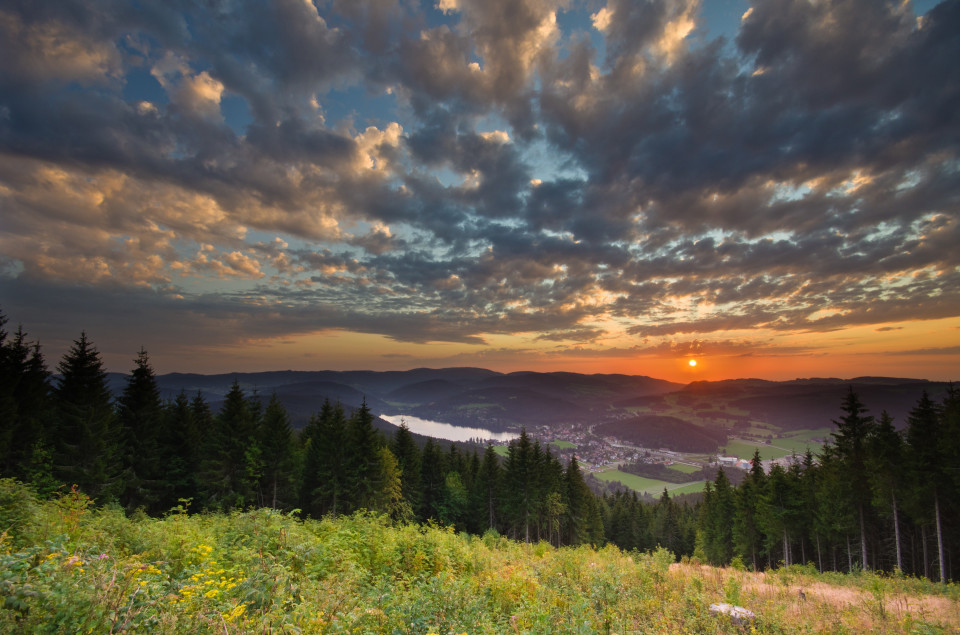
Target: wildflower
102, 556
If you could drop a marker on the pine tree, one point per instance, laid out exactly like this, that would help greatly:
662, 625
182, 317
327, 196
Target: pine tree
717, 512
361, 461
850, 439
388, 493
925, 448
747, 535
579, 510
25, 410
276, 443
885, 463
486, 490
324, 479
520, 486
432, 481
140, 416
408, 459
86, 450
179, 444
227, 475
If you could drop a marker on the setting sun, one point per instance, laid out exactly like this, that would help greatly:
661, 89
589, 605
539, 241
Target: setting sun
693, 362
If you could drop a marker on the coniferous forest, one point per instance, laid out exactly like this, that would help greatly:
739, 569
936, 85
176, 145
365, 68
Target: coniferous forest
880, 496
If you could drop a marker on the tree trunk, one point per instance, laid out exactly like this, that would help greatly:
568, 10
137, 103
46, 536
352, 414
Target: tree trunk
819, 555
926, 558
863, 541
936, 508
849, 556
786, 549
896, 532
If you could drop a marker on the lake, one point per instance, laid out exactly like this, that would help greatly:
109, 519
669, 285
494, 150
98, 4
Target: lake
446, 431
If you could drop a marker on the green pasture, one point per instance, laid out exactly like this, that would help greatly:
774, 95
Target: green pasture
644, 485
563, 445
683, 467
745, 449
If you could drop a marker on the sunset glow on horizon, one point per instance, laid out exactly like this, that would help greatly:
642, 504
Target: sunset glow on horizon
680, 189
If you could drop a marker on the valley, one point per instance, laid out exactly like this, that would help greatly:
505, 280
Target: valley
620, 427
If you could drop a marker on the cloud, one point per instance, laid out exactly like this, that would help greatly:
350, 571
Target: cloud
460, 172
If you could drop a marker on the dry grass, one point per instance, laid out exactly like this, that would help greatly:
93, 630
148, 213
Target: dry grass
806, 603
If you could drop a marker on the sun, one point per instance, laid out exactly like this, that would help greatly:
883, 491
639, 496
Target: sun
693, 362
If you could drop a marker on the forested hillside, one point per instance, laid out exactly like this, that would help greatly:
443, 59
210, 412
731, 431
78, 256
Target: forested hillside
876, 498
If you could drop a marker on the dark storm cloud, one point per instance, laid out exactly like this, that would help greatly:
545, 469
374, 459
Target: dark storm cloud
800, 176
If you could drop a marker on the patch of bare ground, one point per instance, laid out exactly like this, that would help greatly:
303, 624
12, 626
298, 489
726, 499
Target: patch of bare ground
806, 604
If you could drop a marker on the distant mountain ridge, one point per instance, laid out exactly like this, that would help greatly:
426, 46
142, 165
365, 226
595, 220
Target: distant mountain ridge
501, 401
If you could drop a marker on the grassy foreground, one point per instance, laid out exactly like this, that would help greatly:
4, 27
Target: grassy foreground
68, 568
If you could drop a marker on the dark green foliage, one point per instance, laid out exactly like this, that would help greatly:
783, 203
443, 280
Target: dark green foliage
747, 534
231, 467
275, 437
140, 419
324, 477
717, 509
408, 460
179, 450
86, 440
25, 410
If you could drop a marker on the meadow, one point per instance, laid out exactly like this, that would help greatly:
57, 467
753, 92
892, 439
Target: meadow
66, 567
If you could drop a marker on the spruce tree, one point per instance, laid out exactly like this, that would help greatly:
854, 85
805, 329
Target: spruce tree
179, 453
746, 533
325, 472
520, 486
228, 478
432, 481
487, 490
886, 466
850, 440
925, 448
361, 461
579, 510
87, 452
25, 411
276, 443
408, 459
140, 418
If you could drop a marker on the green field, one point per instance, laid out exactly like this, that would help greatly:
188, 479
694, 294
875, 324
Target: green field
646, 485
690, 488
563, 445
683, 467
744, 450
500, 449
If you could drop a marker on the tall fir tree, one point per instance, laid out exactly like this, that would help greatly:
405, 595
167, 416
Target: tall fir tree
361, 461
925, 449
140, 419
325, 471
87, 452
486, 488
179, 453
407, 453
747, 535
231, 454
886, 467
276, 488
25, 413
850, 440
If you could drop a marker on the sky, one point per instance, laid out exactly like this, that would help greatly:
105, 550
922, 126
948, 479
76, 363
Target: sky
769, 188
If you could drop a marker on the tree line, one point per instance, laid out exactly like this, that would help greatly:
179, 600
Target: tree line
143, 453
875, 497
